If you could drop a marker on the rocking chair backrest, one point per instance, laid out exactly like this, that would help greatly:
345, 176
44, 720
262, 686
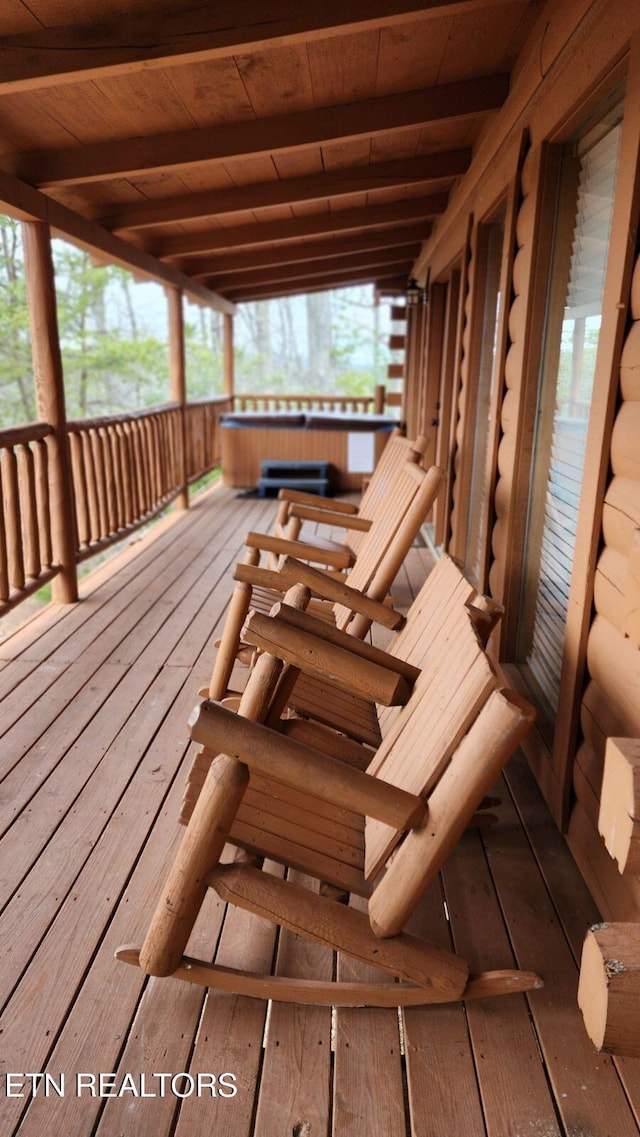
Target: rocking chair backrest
455, 682
397, 451
447, 744
395, 526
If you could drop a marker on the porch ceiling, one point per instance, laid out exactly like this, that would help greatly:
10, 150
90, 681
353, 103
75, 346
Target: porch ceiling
316, 142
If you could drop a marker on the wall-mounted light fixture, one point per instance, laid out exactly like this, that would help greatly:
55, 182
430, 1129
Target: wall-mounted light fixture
413, 293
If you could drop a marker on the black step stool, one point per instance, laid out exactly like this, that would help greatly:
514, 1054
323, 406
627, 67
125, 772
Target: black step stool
309, 477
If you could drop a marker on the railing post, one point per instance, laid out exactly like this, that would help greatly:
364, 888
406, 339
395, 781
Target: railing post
227, 348
49, 380
178, 384
379, 399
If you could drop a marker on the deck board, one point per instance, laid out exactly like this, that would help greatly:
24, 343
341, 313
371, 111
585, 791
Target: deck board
95, 748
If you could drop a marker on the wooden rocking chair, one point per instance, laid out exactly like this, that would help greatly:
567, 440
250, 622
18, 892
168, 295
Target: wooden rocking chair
348, 608
297, 507
305, 808
320, 688
390, 536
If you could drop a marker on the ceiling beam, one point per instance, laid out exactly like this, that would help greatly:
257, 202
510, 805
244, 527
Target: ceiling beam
264, 233
340, 280
391, 286
405, 255
287, 191
310, 250
27, 204
56, 55
277, 133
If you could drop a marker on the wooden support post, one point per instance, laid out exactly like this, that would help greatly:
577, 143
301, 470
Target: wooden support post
379, 398
619, 816
49, 378
178, 385
227, 348
609, 988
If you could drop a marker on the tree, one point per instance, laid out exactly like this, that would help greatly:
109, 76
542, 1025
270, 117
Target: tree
17, 393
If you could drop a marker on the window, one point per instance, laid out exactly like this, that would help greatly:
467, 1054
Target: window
574, 309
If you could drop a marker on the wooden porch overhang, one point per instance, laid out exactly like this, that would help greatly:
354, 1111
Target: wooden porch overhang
94, 747
216, 150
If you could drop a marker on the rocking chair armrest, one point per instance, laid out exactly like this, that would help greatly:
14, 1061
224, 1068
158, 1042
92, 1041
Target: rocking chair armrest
328, 741
330, 517
321, 552
293, 571
317, 656
301, 498
270, 578
273, 754
313, 626
259, 577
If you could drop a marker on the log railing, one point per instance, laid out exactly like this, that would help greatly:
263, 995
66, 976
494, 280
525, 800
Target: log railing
202, 431
125, 469
27, 537
356, 404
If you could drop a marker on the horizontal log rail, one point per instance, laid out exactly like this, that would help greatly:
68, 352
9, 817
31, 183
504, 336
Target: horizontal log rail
355, 404
27, 540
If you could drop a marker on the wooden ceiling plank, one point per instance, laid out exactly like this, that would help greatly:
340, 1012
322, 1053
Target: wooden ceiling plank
278, 80
315, 250
411, 49
58, 55
26, 203
341, 155
381, 279
260, 195
345, 69
374, 258
413, 209
299, 129
401, 266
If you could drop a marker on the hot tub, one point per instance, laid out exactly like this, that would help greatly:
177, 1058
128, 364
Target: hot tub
352, 443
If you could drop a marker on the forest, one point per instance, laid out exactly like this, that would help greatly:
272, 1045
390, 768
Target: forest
113, 335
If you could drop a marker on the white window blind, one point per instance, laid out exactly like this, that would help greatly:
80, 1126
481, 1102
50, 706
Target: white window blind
574, 382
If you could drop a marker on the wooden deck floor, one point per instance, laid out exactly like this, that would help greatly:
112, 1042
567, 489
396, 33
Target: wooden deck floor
92, 758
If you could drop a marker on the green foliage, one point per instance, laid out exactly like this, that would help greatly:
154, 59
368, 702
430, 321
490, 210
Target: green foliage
114, 340
113, 337
333, 343
17, 394
112, 359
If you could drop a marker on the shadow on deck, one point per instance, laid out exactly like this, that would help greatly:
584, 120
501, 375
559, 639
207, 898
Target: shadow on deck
93, 753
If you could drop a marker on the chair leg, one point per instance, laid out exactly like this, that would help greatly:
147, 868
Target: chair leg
231, 635
198, 854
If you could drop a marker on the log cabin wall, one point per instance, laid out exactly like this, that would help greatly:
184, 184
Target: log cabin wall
611, 701
582, 51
